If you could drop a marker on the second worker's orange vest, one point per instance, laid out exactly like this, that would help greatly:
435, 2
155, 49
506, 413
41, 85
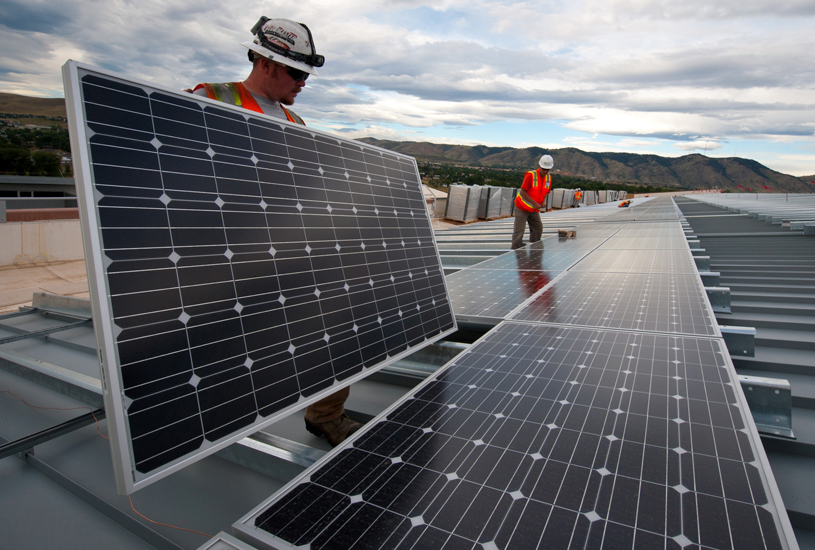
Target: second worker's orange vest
537, 193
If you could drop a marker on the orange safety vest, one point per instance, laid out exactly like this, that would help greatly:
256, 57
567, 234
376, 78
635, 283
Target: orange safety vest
578, 195
537, 192
235, 93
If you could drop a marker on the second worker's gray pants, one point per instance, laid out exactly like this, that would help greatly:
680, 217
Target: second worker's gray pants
535, 227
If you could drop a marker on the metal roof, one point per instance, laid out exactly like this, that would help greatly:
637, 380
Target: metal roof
770, 271
68, 479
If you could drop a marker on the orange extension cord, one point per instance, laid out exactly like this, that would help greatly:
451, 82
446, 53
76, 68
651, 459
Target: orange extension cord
106, 437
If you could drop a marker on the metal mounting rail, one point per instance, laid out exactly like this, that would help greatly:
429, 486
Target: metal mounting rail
38, 333
30, 441
22, 312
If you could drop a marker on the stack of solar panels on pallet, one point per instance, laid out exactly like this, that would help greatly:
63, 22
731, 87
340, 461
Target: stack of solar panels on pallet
240, 267
548, 201
590, 198
603, 419
490, 204
562, 198
508, 201
462, 203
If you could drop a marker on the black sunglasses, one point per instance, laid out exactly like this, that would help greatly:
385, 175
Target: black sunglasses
297, 75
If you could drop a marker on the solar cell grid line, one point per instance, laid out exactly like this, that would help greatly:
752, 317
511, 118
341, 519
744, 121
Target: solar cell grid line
642, 261
657, 302
543, 436
240, 266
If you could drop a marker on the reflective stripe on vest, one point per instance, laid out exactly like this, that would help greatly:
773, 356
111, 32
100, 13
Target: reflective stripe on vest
536, 179
235, 93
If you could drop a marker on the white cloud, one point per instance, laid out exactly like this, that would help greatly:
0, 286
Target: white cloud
638, 73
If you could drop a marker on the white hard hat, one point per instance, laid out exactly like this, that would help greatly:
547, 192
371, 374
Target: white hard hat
285, 42
546, 162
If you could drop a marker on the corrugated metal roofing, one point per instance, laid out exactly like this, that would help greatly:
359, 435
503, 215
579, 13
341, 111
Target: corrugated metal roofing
770, 271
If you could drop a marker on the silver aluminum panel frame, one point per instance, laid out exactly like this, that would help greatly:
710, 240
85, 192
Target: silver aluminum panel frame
127, 479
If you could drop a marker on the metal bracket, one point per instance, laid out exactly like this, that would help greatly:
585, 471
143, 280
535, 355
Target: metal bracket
710, 278
702, 263
770, 401
719, 297
740, 341
694, 244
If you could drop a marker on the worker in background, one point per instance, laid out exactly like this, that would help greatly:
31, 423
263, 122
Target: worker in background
530, 199
283, 56
578, 196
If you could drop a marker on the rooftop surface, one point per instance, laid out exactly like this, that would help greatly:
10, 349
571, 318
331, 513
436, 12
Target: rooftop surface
69, 479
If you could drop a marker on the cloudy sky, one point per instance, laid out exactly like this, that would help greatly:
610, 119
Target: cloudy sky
720, 77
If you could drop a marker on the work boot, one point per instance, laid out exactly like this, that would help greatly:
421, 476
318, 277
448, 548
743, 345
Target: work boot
335, 431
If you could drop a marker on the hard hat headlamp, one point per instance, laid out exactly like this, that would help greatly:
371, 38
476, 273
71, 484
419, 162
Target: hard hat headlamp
311, 59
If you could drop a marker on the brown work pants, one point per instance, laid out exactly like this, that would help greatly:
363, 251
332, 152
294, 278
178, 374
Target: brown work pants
522, 218
328, 408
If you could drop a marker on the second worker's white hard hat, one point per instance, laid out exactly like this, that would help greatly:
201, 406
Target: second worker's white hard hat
285, 42
546, 162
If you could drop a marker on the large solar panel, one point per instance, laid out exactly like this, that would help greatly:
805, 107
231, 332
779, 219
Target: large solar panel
658, 302
547, 437
546, 255
240, 266
655, 209
488, 296
651, 229
646, 242
642, 261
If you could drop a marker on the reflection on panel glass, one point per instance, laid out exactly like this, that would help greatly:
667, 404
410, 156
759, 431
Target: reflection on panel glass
493, 293
541, 256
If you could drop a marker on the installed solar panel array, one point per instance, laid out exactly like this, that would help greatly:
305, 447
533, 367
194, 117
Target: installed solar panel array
486, 293
240, 266
555, 436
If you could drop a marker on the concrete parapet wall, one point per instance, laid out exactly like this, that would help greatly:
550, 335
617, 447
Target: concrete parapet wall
28, 243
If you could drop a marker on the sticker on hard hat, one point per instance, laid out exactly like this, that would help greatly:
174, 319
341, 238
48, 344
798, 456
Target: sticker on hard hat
282, 34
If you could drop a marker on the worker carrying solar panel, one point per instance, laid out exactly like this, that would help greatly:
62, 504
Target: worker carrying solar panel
283, 56
530, 199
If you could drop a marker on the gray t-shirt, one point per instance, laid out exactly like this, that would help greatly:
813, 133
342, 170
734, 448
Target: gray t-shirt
270, 107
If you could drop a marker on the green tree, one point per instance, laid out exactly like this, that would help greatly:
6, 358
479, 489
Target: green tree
14, 160
46, 163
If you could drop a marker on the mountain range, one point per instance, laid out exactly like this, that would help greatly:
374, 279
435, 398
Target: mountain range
687, 172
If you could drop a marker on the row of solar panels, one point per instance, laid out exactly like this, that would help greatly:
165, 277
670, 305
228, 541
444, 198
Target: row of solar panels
468, 203
602, 413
